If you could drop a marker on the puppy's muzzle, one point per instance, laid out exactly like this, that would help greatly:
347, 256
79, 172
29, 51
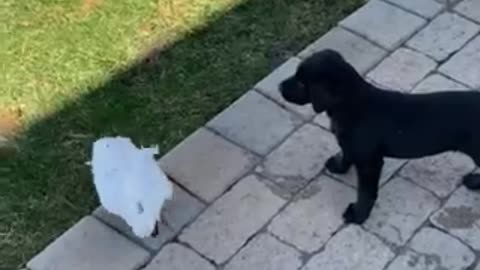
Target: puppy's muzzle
294, 92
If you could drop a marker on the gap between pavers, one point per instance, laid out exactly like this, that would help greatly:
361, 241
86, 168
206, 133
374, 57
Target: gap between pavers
232, 219
383, 23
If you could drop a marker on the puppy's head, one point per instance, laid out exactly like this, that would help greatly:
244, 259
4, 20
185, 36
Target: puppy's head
324, 79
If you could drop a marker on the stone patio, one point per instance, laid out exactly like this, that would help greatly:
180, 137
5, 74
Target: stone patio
251, 191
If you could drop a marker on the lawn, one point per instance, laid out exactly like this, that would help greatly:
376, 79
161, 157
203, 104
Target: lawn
75, 70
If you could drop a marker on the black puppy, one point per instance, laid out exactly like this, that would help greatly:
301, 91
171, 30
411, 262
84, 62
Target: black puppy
371, 123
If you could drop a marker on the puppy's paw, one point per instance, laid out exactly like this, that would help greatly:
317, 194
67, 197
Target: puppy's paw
336, 165
353, 216
472, 181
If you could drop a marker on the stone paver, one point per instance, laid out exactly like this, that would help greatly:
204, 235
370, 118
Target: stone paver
390, 167
448, 2
177, 257
269, 86
437, 83
255, 122
359, 52
440, 173
383, 23
165, 233
425, 8
176, 213
301, 157
460, 216
207, 164
266, 253
402, 70
309, 221
470, 9
464, 66
352, 248
443, 36
90, 245
402, 208
432, 249
322, 120
226, 225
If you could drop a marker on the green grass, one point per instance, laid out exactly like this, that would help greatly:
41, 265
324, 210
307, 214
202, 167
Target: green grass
151, 71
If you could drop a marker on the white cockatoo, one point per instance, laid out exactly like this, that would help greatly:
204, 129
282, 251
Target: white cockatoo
130, 183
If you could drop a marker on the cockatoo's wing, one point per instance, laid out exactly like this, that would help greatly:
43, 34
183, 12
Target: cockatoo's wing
111, 158
130, 183
149, 191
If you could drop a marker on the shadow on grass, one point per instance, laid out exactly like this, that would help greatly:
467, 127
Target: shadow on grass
160, 100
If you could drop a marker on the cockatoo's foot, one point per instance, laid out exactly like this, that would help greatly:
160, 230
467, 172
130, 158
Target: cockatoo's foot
155, 230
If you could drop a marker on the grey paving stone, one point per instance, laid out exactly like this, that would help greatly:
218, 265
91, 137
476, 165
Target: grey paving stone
390, 167
432, 249
383, 23
207, 164
437, 83
352, 248
270, 87
255, 122
266, 253
165, 233
226, 225
470, 9
440, 173
176, 213
402, 207
87, 245
182, 209
299, 158
322, 120
460, 216
176, 257
425, 8
402, 70
359, 52
464, 66
445, 35
448, 2
310, 220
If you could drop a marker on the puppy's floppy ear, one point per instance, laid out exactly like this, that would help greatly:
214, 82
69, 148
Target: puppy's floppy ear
340, 76
323, 97
332, 79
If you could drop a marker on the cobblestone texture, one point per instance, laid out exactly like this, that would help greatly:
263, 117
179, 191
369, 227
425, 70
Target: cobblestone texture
226, 225
323, 202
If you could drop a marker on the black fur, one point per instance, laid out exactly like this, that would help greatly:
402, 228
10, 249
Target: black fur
372, 123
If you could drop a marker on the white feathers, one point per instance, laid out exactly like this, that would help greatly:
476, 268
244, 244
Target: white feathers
130, 183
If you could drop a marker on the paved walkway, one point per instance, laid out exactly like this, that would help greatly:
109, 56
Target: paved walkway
254, 193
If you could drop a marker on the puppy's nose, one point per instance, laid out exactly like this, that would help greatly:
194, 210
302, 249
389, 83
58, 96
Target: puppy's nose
281, 87
284, 86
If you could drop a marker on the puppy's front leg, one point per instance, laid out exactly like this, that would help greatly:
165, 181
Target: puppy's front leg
367, 191
339, 163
